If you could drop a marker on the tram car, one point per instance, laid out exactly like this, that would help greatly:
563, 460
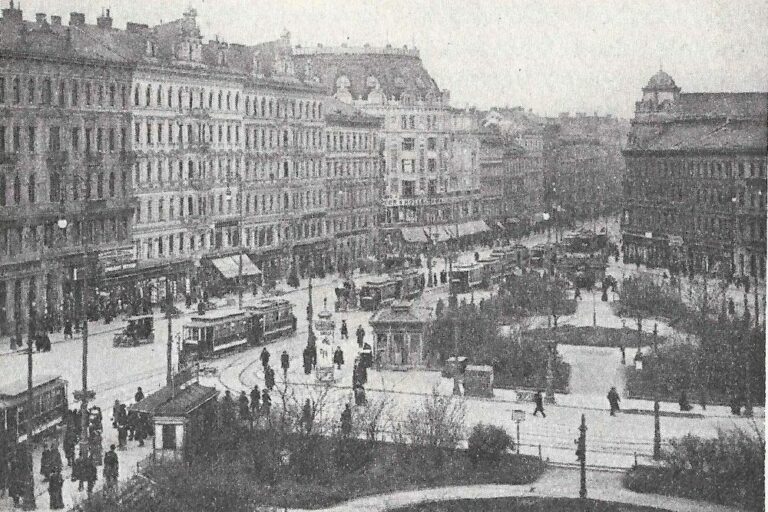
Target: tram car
493, 271
276, 318
378, 293
466, 277
49, 406
411, 283
541, 255
210, 335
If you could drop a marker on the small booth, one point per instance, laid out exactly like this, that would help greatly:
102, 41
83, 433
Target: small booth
183, 421
478, 381
399, 333
326, 329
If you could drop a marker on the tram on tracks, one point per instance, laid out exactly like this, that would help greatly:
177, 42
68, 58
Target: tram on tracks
467, 276
411, 283
211, 335
378, 293
49, 406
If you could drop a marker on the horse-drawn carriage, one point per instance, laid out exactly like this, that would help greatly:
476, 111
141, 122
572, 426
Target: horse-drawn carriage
346, 296
140, 330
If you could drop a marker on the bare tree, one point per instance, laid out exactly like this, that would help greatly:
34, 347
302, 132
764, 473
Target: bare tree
438, 422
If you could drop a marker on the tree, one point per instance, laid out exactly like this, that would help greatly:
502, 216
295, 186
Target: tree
437, 423
637, 296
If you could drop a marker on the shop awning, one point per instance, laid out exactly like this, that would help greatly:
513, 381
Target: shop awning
229, 266
414, 234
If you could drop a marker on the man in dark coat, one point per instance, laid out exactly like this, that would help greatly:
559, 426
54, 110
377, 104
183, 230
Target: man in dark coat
55, 483
264, 357
139, 396
266, 402
255, 397
243, 406
89, 472
613, 401
70, 440
45, 463
285, 363
307, 416
344, 331
346, 421
539, 401
55, 457
111, 468
360, 335
338, 357
269, 378
307, 360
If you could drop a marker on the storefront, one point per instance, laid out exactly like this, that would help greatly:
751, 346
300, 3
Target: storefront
141, 285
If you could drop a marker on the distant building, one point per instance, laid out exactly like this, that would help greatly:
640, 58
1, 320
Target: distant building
66, 186
695, 189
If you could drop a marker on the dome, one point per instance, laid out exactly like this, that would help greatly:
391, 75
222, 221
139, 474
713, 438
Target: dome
661, 80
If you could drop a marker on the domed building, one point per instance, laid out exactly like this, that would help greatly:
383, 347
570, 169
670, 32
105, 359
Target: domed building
695, 186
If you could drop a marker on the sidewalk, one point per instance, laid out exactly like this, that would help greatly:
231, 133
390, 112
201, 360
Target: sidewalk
555, 483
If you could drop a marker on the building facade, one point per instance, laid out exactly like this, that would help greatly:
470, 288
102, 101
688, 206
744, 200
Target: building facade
695, 189
354, 182
419, 148
66, 207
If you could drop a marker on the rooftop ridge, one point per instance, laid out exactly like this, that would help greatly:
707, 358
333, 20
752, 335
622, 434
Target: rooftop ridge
356, 50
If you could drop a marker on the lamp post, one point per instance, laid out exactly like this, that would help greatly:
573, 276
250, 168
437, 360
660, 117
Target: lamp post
656, 415
29, 473
62, 223
239, 237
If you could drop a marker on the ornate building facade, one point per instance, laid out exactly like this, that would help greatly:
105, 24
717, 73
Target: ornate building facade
66, 191
695, 189
354, 182
419, 148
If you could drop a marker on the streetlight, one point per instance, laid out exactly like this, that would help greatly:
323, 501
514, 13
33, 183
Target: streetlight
239, 237
62, 223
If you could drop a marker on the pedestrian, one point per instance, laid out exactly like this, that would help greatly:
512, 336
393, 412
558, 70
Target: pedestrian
307, 360
264, 357
338, 357
70, 440
346, 421
139, 396
95, 446
360, 333
90, 473
285, 363
115, 413
17, 477
344, 332
55, 483
269, 378
577, 294
45, 463
735, 404
227, 409
359, 392
67, 329
55, 457
132, 421
111, 468
255, 396
78, 470
266, 402
306, 416
122, 415
613, 401
623, 354
539, 401
685, 406
122, 436
139, 431
243, 406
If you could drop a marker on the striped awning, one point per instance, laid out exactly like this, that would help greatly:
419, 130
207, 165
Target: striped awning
229, 266
413, 234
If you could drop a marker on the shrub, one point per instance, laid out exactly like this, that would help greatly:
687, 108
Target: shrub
487, 443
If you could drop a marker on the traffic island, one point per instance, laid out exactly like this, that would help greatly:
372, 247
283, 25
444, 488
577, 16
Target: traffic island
526, 504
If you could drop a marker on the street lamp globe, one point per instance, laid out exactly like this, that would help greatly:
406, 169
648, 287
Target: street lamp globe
546, 216
62, 223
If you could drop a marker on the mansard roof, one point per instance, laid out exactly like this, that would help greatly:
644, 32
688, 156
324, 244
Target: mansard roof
722, 104
393, 72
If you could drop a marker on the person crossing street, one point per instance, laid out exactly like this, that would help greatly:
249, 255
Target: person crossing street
539, 401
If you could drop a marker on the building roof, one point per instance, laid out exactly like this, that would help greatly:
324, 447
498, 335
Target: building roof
19, 386
741, 105
730, 136
362, 71
661, 80
401, 312
154, 400
338, 112
187, 400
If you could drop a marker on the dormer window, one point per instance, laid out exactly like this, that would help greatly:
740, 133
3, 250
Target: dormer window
151, 49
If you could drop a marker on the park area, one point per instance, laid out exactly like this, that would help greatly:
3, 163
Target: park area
525, 504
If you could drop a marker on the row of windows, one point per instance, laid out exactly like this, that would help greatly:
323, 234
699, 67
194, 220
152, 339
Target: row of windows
353, 141
420, 122
62, 92
226, 101
723, 228
409, 144
703, 195
86, 139
20, 240
99, 185
711, 169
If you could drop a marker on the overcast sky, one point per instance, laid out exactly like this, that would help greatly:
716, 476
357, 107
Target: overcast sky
548, 55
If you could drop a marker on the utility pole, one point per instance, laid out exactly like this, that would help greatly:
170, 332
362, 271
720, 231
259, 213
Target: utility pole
581, 456
29, 473
656, 415
84, 398
169, 341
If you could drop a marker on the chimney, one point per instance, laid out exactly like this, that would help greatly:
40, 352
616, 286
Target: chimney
76, 19
56, 21
12, 14
104, 21
40, 18
135, 27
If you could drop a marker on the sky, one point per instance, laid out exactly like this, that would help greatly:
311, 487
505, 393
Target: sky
551, 56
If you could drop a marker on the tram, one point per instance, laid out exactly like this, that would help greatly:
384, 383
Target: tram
49, 406
219, 332
378, 293
493, 271
466, 277
411, 283
276, 318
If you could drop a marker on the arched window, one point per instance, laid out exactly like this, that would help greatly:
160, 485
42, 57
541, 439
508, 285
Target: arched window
285, 200
263, 105
135, 97
190, 170
148, 96
159, 96
100, 185
237, 101
247, 105
270, 108
228, 104
31, 90
220, 100
111, 184
31, 189
47, 93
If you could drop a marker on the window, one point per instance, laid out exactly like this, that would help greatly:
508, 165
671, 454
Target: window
111, 139
87, 93
99, 139
16, 139
111, 95
16, 190
169, 437
100, 185
408, 144
88, 139
16, 90
75, 139
2, 189
31, 139
407, 165
31, 90
2, 139
101, 94
54, 138
148, 96
74, 94
2, 89
32, 185
61, 99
